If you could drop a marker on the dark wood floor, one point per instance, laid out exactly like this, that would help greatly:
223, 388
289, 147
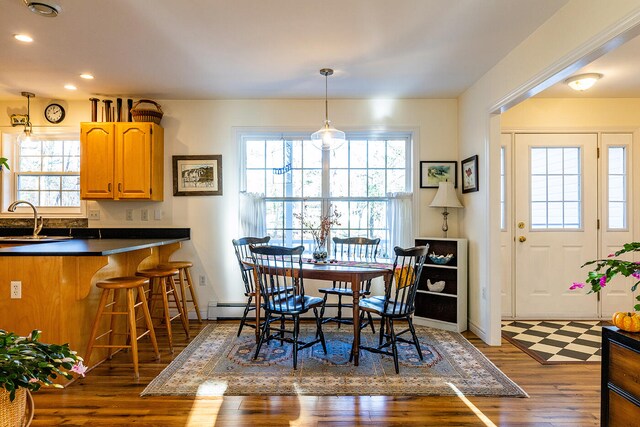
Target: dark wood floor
560, 395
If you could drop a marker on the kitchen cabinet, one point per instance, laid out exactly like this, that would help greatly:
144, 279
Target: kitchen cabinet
446, 309
121, 161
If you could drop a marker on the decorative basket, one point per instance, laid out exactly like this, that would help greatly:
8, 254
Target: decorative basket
145, 114
435, 287
440, 259
16, 413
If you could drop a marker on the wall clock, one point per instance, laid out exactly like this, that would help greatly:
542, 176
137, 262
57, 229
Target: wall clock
54, 113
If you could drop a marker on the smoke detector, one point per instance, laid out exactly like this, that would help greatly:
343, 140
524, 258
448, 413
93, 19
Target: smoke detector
43, 9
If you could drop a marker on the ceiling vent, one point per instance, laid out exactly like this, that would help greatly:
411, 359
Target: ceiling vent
43, 9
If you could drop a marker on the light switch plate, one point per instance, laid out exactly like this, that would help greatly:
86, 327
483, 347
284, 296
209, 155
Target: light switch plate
144, 214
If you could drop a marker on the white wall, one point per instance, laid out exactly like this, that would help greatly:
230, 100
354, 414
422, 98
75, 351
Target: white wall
576, 30
207, 127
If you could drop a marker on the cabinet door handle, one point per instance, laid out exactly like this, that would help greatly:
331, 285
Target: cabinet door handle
109, 187
120, 187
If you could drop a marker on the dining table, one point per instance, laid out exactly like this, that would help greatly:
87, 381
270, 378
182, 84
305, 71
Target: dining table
351, 270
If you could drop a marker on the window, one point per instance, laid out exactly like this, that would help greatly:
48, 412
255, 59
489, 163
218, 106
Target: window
354, 179
555, 188
617, 187
46, 173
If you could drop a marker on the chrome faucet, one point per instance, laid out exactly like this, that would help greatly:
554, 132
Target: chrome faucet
38, 222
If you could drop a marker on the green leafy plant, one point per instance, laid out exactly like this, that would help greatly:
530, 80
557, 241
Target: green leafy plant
4, 163
29, 363
607, 269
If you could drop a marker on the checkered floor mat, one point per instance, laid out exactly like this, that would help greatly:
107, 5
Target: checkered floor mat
552, 342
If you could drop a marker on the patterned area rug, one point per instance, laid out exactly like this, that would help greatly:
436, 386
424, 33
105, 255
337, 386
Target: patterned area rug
555, 342
218, 363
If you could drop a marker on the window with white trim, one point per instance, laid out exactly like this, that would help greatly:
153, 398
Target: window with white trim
354, 179
617, 187
45, 171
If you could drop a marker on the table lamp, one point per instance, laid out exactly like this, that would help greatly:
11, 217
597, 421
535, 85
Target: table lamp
445, 198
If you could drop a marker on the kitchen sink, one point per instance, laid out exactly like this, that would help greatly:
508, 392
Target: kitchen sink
32, 239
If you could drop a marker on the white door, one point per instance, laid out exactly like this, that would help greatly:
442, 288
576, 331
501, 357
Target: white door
556, 211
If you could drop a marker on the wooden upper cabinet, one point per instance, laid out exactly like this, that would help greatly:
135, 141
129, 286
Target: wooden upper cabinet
121, 161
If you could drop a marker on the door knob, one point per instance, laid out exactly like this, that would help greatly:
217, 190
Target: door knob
522, 239
521, 225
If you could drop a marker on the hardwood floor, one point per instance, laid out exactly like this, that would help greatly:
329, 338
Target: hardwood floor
560, 395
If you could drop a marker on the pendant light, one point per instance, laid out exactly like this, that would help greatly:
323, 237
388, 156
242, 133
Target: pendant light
25, 136
328, 137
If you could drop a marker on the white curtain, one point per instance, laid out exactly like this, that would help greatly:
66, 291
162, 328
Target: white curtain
400, 220
252, 215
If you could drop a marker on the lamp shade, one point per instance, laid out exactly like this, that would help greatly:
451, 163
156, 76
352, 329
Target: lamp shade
446, 196
328, 138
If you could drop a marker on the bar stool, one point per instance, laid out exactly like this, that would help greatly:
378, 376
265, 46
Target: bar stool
186, 283
162, 286
109, 298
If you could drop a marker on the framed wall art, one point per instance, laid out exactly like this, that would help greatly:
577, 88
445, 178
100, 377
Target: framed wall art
197, 175
432, 173
469, 174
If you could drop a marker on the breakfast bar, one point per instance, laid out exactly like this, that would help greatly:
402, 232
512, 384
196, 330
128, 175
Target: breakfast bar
52, 285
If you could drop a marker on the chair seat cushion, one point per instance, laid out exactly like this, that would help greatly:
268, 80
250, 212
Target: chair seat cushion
340, 291
376, 304
294, 304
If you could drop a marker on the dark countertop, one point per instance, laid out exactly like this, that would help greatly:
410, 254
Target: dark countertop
107, 241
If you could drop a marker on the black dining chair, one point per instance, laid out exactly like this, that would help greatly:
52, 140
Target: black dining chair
279, 271
241, 247
349, 248
398, 303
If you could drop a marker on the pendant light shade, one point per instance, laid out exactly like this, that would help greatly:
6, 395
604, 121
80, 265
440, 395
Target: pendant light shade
25, 136
328, 137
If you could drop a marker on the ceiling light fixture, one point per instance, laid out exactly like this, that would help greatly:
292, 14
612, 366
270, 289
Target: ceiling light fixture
23, 38
327, 138
25, 136
43, 9
86, 76
583, 81
70, 87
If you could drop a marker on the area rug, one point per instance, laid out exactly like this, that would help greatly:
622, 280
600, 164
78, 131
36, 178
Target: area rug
553, 342
218, 363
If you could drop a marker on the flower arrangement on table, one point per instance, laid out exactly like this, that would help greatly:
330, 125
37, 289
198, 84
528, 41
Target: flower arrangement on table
319, 231
607, 269
28, 363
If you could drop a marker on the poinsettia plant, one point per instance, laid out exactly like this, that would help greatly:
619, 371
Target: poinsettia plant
607, 269
29, 363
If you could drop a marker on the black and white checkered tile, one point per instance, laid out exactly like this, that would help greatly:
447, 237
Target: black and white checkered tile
557, 341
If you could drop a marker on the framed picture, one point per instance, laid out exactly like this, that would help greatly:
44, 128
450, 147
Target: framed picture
197, 175
469, 174
432, 173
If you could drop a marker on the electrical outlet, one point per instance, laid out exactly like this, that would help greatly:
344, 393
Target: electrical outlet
129, 214
203, 281
483, 293
16, 289
144, 214
94, 214
157, 214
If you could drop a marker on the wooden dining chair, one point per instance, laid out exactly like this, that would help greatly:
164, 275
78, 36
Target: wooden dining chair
279, 272
241, 247
398, 303
349, 248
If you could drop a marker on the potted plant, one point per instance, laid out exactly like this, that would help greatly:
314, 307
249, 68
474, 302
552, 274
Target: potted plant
25, 365
605, 270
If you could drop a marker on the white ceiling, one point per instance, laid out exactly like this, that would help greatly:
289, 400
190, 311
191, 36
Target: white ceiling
224, 49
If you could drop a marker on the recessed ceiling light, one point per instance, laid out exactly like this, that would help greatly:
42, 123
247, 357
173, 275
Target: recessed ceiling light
87, 76
23, 38
70, 87
583, 81
43, 9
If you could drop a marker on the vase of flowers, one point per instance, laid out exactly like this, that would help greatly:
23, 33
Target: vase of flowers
319, 230
606, 269
27, 364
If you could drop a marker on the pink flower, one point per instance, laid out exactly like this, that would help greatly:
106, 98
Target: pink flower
576, 285
603, 281
33, 380
611, 255
79, 368
636, 274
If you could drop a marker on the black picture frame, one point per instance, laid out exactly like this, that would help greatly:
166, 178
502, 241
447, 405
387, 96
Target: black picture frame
469, 172
433, 172
199, 175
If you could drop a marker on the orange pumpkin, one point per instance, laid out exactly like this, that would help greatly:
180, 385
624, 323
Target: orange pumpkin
626, 321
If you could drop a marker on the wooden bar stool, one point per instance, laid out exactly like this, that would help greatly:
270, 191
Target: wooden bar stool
110, 291
162, 286
186, 283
